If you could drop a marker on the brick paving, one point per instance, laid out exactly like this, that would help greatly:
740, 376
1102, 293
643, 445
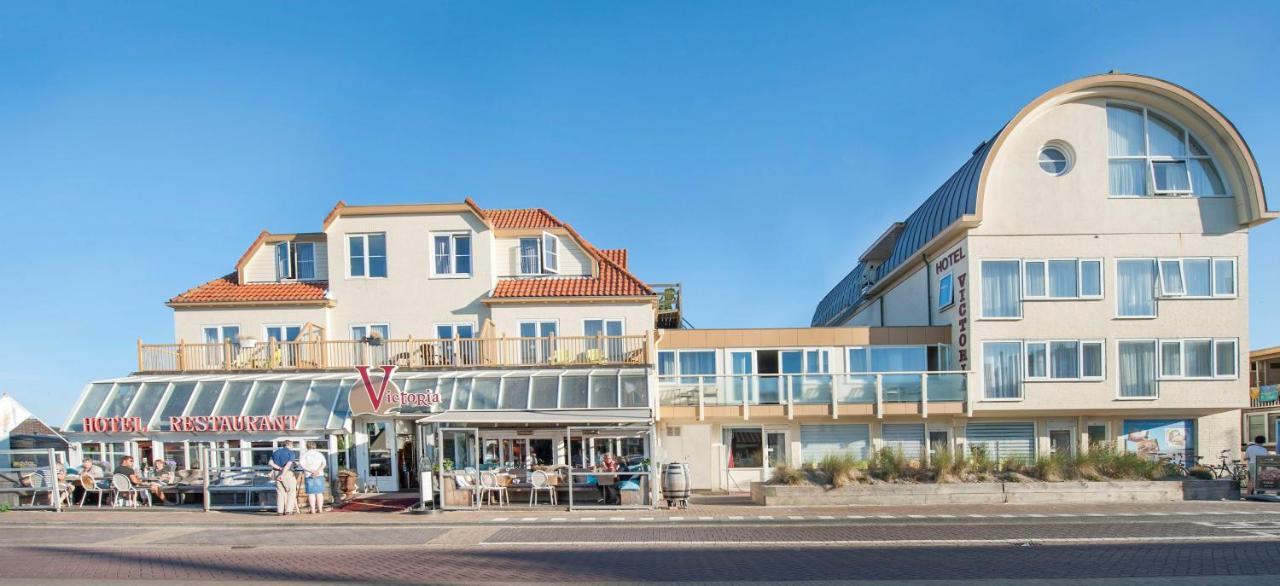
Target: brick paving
630, 563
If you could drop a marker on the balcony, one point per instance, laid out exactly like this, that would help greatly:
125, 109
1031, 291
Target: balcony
1264, 396
410, 354
825, 395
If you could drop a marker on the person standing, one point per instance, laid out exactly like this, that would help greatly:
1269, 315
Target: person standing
282, 465
1251, 453
313, 464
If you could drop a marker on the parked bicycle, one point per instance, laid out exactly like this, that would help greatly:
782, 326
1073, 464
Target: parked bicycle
1226, 467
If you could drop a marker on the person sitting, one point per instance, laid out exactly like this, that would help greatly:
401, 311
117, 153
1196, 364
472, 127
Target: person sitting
92, 470
162, 472
126, 469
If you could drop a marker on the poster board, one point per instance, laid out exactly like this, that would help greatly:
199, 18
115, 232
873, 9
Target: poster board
1265, 472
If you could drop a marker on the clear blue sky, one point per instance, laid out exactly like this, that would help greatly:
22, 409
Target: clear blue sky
748, 150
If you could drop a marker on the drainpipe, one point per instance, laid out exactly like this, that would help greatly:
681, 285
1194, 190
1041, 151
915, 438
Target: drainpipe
928, 289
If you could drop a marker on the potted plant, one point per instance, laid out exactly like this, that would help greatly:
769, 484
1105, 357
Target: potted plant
374, 338
246, 341
347, 482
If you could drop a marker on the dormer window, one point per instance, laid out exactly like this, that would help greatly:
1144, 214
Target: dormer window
540, 255
1150, 155
295, 260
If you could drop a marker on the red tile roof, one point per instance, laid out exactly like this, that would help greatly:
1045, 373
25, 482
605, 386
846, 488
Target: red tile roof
617, 255
228, 289
522, 218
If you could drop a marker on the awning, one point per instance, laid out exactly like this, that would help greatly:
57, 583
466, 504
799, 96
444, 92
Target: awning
545, 417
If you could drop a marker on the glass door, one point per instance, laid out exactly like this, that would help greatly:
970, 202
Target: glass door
406, 456
741, 388
381, 450
459, 455
775, 450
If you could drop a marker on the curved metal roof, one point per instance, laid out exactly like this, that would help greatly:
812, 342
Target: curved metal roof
957, 197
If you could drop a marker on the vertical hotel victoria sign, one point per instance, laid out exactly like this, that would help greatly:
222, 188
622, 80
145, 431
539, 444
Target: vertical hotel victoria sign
379, 395
941, 266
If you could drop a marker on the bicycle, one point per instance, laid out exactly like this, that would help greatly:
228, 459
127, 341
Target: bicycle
1177, 463
1225, 468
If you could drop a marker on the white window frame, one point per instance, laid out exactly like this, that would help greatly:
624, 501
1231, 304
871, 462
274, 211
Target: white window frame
1160, 351
475, 332
222, 336
283, 328
293, 259
453, 254
364, 236
520, 256
1120, 378
1235, 277
1149, 160
982, 293
290, 263
1155, 292
549, 251
537, 326
1079, 295
1022, 366
604, 325
1048, 360
368, 327
949, 277
675, 364
1235, 354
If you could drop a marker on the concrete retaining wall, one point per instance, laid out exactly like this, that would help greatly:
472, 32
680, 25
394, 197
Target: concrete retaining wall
992, 493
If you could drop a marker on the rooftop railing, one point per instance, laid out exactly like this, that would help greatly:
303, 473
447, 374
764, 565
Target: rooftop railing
749, 390
1264, 396
411, 353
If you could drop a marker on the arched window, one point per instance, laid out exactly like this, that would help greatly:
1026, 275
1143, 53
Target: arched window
1150, 155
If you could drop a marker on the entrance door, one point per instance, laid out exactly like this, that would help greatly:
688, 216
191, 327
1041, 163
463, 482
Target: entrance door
406, 456
459, 455
775, 450
381, 450
1062, 441
939, 441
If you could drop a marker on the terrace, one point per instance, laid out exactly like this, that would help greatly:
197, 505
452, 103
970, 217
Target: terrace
411, 354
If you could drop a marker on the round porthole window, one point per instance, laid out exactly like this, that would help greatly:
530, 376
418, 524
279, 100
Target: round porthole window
1055, 159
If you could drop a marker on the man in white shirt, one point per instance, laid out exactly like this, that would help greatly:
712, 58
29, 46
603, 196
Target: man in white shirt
1254, 450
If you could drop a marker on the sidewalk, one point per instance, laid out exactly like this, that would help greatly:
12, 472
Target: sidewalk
702, 508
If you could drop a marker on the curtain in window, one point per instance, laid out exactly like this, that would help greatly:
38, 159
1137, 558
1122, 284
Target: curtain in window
858, 360
1224, 277
697, 363
1000, 289
912, 359
1205, 179
1171, 277
442, 256
1171, 358
1066, 359
1197, 272
1033, 272
1226, 357
1136, 288
1037, 362
529, 262
377, 255
1137, 369
1001, 369
1091, 359
1062, 278
666, 363
1127, 177
1198, 357
1090, 277
462, 254
1124, 131
1165, 137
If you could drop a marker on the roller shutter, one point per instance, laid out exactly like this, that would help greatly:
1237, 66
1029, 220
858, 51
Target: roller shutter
816, 441
907, 438
1003, 439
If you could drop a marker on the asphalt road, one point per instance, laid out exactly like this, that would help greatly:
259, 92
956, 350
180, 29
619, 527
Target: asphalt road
1191, 548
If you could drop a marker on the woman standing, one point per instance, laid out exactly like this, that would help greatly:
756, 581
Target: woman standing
313, 464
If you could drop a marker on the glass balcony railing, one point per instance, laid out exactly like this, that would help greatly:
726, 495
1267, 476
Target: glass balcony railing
812, 389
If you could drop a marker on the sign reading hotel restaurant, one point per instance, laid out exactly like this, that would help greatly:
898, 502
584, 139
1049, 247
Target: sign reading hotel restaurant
195, 423
377, 394
944, 264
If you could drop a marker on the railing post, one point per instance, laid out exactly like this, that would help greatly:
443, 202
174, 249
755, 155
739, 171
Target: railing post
226, 353
140, 355
702, 415
879, 396
272, 344
204, 468
182, 354
502, 350
746, 401
835, 405
924, 397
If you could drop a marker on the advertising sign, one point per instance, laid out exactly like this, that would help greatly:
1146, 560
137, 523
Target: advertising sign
377, 394
195, 424
1266, 474
1269, 393
1169, 437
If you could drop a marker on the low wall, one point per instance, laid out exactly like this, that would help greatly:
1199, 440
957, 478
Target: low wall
994, 493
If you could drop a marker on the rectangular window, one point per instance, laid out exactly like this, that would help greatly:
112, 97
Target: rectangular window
284, 262
1097, 434
1091, 360
1198, 273
1197, 358
858, 360
305, 260
899, 359
530, 257
1136, 288
946, 291
1064, 360
697, 365
1033, 279
367, 255
1171, 283
219, 334
1224, 358
1091, 279
746, 450
1149, 154
451, 255
1170, 177
1064, 279
1002, 372
1037, 360
1257, 426
1138, 369
1000, 289
1224, 277
550, 253
533, 350
1171, 359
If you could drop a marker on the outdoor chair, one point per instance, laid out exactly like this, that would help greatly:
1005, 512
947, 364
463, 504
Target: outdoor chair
41, 480
538, 481
489, 486
122, 486
593, 356
90, 485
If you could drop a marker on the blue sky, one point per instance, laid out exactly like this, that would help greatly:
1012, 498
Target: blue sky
747, 150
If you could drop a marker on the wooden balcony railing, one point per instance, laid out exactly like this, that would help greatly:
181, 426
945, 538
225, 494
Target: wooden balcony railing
409, 353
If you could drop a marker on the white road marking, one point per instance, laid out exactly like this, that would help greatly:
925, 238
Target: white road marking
826, 517
501, 519
735, 518
978, 516
529, 519
706, 518
765, 517
557, 519
855, 517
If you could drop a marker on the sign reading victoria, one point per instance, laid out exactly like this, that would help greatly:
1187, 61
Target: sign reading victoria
377, 394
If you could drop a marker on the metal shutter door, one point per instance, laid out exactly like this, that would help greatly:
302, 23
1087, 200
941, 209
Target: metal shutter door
816, 441
1004, 440
905, 437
